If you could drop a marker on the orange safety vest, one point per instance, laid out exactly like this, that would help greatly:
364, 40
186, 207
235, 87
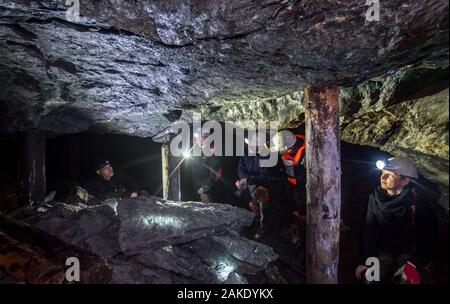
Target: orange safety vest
296, 158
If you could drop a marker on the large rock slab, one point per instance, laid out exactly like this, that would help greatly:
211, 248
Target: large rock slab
246, 251
228, 253
155, 223
223, 258
180, 242
130, 272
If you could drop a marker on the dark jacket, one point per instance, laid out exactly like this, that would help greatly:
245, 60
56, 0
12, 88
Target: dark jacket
396, 225
206, 171
273, 178
249, 168
119, 183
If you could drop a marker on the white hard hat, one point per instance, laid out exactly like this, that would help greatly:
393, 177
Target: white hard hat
283, 140
401, 166
256, 138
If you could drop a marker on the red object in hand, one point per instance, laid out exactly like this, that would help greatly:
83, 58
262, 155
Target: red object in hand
218, 174
262, 194
410, 274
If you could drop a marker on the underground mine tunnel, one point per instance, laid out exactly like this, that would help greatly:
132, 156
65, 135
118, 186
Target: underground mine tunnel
353, 100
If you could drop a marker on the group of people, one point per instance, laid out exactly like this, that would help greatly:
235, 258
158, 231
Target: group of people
400, 229
262, 188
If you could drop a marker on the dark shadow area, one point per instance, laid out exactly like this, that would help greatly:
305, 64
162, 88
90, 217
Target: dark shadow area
70, 159
223, 191
8, 172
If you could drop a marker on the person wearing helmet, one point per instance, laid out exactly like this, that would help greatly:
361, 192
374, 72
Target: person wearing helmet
400, 229
206, 170
257, 184
107, 183
292, 150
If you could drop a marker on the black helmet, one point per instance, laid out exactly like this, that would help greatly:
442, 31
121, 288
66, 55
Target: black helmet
100, 163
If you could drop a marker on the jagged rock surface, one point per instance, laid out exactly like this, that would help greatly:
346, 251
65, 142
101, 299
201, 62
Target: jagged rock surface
405, 114
207, 249
162, 223
124, 67
125, 64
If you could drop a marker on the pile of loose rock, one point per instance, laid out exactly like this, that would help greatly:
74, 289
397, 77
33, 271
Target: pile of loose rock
151, 240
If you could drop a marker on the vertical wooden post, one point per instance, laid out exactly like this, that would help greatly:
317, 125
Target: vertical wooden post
32, 181
165, 170
175, 178
171, 177
323, 184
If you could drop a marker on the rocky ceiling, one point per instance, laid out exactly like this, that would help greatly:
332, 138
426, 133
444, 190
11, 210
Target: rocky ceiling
125, 64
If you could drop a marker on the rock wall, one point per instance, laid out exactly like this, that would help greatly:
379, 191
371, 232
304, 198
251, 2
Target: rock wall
125, 64
405, 114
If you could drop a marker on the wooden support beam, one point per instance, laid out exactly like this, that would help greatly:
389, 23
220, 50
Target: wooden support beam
165, 170
32, 183
171, 177
175, 178
323, 184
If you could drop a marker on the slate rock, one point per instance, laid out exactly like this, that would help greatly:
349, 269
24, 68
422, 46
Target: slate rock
152, 223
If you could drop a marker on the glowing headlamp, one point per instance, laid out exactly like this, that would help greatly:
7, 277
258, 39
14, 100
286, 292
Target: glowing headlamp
380, 164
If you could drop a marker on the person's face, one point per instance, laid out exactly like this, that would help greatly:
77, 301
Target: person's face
204, 145
392, 182
199, 141
286, 151
106, 172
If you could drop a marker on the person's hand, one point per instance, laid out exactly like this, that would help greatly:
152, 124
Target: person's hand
203, 190
299, 216
408, 274
82, 194
359, 271
237, 183
262, 194
253, 207
241, 183
144, 193
204, 198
